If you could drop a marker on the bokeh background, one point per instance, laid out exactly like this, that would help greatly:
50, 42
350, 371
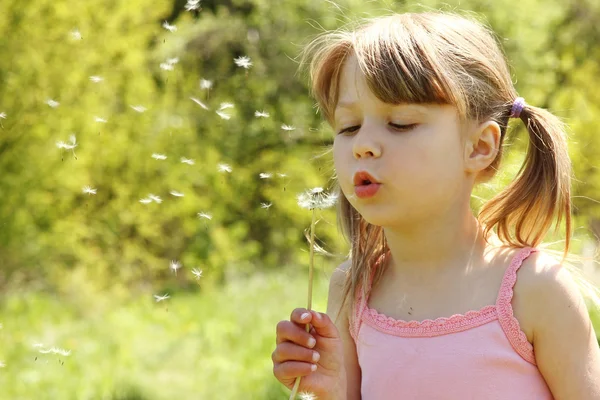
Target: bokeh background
97, 93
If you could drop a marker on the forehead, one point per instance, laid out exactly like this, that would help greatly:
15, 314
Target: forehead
353, 87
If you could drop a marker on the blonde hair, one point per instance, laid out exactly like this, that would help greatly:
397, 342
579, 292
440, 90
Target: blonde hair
444, 58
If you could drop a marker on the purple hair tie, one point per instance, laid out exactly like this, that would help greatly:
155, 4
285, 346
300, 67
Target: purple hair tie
517, 107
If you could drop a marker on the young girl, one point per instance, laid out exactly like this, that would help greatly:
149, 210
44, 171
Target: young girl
435, 303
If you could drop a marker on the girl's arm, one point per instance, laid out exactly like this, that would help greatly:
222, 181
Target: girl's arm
334, 301
565, 344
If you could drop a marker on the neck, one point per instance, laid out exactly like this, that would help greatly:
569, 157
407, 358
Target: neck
453, 243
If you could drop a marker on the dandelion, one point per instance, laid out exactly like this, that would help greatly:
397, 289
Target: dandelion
96, 78
89, 190
243, 62
3, 115
175, 265
266, 205
139, 108
187, 161
75, 34
225, 106
170, 28
161, 298
204, 215
192, 5
307, 396
158, 156
147, 200
287, 127
261, 114
265, 175
197, 273
223, 115
312, 199
201, 104
176, 194
100, 120
224, 168
155, 198
205, 84
52, 103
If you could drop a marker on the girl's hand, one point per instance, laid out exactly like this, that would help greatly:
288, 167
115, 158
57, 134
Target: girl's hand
294, 354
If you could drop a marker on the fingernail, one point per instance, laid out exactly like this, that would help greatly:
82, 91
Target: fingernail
312, 342
313, 367
318, 316
304, 316
316, 356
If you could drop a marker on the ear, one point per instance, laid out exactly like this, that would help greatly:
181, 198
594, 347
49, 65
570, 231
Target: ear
482, 146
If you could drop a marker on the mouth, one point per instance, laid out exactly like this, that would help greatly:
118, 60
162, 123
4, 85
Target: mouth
363, 178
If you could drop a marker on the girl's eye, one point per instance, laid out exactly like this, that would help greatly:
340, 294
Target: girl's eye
395, 126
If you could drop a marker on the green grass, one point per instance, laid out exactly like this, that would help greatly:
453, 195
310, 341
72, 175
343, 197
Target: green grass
213, 345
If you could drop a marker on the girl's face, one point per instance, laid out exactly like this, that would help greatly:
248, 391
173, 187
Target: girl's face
415, 151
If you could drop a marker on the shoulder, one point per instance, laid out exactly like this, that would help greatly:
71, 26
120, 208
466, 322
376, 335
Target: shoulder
565, 344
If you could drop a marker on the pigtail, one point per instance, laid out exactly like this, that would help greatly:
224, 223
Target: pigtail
541, 192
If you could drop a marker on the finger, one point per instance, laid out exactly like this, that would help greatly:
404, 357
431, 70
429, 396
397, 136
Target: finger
288, 331
323, 325
301, 316
288, 351
292, 369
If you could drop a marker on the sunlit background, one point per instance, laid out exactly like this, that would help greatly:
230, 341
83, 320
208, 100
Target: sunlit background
151, 153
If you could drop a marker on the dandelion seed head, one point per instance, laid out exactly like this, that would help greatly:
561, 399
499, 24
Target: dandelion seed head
316, 198
169, 27
261, 114
187, 161
204, 215
265, 175
174, 265
176, 194
201, 104
224, 168
223, 115
158, 156
197, 273
89, 190
243, 61
205, 84
307, 396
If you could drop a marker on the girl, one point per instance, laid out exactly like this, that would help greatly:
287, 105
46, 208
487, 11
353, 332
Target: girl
435, 303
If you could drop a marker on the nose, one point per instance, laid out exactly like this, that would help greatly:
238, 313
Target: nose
365, 145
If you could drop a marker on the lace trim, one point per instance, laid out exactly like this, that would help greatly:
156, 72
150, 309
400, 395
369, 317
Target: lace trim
506, 317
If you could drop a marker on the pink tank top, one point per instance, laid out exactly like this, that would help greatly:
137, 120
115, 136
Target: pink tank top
479, 355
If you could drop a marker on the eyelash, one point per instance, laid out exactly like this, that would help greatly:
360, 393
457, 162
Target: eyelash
402, 127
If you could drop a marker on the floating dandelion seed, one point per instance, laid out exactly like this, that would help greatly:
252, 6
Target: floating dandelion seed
176, 194
281, 175
2, 364
205, 84
243, 62
197, 273
265, 175
307, 396
166, 66
161, 298
68, 146
173, 60
201, 104
223, 115
139, 108
155, 198
56, 350
187, 161
3, 115
192, 5
175, 265
204, 215
100, 120
316, 198
266, 205
261, 114
52, 103
37, 345
225, 106
89, 190
170, 28
287, 127
75, 34
224, 168
146, 200
158, 156
96, 78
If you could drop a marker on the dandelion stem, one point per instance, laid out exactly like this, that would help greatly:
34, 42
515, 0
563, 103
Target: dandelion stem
310, 286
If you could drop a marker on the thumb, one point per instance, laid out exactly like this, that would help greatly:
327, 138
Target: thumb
323, 325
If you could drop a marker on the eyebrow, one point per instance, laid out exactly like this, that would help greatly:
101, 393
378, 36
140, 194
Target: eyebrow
346, 104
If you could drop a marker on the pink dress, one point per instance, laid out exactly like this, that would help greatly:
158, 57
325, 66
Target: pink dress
479, 355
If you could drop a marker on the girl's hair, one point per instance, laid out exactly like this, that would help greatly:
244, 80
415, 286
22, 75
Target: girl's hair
443, 58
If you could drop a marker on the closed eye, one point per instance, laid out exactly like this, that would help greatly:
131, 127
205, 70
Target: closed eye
395, 126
